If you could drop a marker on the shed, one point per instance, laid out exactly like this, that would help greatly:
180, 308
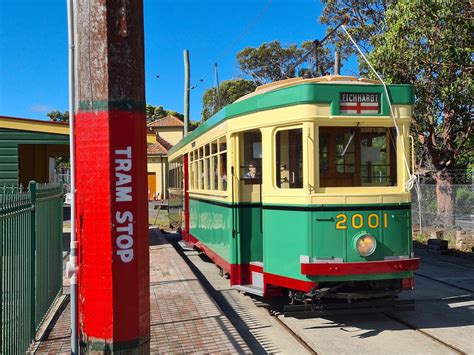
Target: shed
26, 147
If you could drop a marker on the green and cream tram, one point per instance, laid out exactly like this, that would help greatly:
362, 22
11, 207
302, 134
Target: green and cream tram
300, 186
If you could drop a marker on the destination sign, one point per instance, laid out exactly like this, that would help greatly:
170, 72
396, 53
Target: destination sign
359, 103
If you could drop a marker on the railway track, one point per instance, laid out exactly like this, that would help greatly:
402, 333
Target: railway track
432, 258
298, 338
444, 282
425, 333
389, 315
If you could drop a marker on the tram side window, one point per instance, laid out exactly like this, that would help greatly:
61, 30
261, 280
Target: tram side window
175, 176
251, 164
208, 166
289, 158
222, 181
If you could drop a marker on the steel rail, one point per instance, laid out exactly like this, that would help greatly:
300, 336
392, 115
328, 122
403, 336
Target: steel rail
292, 333
432, 337
445, 261
444, 282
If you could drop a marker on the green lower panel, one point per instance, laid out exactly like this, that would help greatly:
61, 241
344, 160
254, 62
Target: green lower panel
212, 225
286, 236
290, 234
250, 234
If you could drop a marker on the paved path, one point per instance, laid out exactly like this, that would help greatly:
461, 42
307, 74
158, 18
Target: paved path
443, 311
261, 330
184, 318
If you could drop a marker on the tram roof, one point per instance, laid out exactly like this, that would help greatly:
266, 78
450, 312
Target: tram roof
298, 91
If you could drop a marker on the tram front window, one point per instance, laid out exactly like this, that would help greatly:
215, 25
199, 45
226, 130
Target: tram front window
355, 156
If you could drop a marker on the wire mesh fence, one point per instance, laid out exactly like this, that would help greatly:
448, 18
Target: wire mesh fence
425, 202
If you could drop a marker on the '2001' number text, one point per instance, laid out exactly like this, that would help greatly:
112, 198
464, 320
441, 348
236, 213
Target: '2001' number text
358, 221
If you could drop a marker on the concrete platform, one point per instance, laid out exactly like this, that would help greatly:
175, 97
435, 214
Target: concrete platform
184, 318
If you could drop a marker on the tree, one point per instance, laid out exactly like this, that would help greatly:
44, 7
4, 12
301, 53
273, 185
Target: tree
229, 91
271, 62
58, 116
154, 113
428, 43
366, 22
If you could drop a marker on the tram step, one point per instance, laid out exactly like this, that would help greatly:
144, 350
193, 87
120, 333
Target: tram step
250, 289
186, 245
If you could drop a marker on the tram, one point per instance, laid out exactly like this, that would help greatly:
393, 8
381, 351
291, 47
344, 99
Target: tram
299, 188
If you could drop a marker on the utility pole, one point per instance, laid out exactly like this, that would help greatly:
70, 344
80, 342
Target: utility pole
337, 63
217, 87
187, 79
111, 198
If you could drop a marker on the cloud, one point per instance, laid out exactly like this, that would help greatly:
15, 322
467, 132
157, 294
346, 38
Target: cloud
41, 108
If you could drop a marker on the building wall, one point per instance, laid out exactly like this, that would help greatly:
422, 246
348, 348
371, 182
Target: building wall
159, 166
171, 134
10, 139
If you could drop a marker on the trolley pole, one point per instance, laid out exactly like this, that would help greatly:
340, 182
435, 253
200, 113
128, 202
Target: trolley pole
111, 198
187, 79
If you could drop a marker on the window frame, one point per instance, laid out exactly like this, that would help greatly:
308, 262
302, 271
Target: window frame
274, 160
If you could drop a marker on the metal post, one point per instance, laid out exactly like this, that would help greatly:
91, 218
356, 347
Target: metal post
187, 80
217, 87
111, 178
71, 266
32, 190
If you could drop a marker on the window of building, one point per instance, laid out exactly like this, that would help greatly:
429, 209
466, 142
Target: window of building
289, 158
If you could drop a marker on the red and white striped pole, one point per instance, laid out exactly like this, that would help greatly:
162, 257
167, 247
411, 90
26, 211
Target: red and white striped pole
111, 182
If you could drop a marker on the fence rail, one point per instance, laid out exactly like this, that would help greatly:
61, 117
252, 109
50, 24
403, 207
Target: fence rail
31, 261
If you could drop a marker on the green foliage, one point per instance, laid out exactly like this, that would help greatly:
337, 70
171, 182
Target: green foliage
272, 62
58, 116
193, 125
154, 113
428, 44
464, 201
229, 91
366, 22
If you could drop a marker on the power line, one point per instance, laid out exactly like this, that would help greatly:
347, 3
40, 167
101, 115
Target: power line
246, 30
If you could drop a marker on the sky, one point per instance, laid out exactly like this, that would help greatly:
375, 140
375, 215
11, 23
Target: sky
34, 52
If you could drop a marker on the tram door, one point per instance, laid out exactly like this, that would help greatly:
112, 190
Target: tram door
249, 204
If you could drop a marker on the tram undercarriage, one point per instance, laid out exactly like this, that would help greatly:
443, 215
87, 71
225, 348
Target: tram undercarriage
348, 297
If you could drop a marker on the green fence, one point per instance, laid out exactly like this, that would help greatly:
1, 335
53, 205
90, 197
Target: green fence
31, 261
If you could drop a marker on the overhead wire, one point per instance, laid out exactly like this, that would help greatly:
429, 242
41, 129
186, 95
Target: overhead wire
242, 34
411, 177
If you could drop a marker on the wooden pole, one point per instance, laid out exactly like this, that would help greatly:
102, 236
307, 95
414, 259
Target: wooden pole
337, 63
187, 79
111, 171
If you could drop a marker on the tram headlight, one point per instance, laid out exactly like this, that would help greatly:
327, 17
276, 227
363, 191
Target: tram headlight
365, 244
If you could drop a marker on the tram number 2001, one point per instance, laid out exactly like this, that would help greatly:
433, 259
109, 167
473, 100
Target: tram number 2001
358, 221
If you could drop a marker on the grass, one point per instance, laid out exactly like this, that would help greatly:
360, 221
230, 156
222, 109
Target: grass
162, 221
449, 235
